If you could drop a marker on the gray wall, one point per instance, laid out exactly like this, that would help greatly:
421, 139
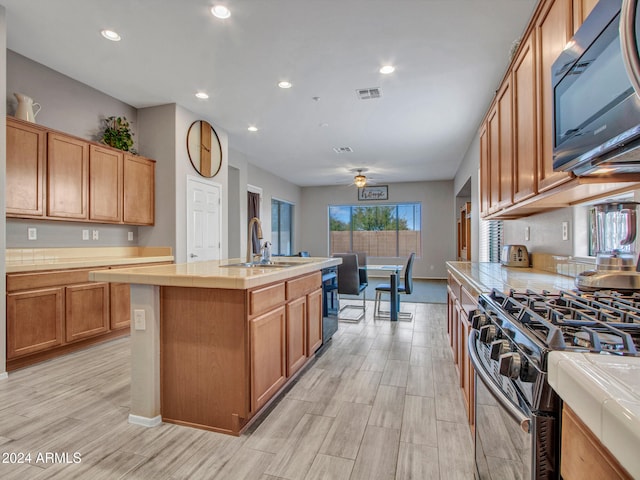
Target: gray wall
235, 225
67, 105
3, 169
469, 170
272, 187
438, 221
71, 107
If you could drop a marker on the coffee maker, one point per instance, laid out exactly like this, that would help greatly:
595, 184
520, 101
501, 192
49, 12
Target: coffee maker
614, 229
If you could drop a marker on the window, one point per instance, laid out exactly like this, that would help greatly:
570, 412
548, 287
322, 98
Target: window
379, 230
281, 227
491, 239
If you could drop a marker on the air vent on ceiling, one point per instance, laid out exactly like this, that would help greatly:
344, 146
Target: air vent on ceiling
342, 149
369, 93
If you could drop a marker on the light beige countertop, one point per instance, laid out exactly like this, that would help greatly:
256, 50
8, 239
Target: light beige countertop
20, 260
604, 391
483, 277
213, 273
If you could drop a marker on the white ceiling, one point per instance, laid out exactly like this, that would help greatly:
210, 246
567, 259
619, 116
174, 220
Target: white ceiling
449, 56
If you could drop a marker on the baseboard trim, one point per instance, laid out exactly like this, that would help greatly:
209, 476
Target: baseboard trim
145, 421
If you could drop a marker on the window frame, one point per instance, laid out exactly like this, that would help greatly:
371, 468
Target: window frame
277, 229
418, 225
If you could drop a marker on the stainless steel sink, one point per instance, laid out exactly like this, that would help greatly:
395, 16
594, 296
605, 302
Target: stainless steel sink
261, 265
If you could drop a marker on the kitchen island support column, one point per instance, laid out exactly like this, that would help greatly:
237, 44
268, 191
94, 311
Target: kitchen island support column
145, 357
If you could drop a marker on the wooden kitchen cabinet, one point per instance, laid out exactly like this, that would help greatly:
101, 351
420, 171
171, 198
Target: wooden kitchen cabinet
505, 144
460, 305
552, 32
257, 339
119, 305
34, 321
485, 171
314, 323
87, 310
139, 190
267, 334
67, 177
525, 181
493, 149
533, 185
584, 457
105, 184
55, 176
296, 335
26, 155
464, 233
54, 312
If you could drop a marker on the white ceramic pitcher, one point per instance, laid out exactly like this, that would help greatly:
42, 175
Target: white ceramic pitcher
25, 110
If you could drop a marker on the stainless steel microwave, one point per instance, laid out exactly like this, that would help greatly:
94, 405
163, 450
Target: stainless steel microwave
596, 111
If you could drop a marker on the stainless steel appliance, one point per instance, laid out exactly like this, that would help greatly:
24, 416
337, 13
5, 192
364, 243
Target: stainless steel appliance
330, 303
514, 256
517, 430
615, 233
596, 110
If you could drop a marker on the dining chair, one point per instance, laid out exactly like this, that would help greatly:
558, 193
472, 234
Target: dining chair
349, 283
406, 288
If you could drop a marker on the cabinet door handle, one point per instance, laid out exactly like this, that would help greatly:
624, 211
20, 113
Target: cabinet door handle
193, 255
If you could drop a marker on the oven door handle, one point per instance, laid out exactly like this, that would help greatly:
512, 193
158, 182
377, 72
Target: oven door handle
513, 410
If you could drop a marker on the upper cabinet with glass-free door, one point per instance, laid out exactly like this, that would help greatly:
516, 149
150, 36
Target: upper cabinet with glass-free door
553, 31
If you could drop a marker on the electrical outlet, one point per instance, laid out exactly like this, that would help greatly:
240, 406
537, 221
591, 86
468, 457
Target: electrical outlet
527, 233
565, 230
130, 236
96, 235
85, 234
32, 233
139, 320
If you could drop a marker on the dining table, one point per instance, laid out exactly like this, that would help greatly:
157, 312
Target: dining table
394, 301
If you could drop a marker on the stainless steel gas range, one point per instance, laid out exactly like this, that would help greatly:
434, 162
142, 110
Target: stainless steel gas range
517, 430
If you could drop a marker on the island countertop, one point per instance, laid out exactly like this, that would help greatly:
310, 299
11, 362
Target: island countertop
215, 273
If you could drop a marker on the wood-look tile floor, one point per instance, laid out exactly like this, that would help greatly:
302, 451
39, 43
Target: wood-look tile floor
382, 402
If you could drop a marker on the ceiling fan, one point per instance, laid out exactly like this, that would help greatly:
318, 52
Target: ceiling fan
360, 180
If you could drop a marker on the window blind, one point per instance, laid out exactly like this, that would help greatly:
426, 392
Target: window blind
491, 238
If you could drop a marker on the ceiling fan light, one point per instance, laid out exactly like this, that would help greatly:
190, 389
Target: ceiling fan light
220, 11
360, 181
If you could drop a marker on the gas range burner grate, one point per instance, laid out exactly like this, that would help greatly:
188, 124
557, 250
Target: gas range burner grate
602, 322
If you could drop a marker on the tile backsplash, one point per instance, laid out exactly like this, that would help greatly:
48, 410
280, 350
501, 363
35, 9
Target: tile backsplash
561, 264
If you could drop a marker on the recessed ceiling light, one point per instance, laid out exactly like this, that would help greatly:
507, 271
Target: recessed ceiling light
202, 95
387, 69
111, 35
220, 11
284, 84
251, 128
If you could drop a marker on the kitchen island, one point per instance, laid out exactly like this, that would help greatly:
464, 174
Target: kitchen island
212, 342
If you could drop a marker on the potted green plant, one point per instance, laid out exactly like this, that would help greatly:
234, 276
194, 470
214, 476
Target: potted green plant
117, 134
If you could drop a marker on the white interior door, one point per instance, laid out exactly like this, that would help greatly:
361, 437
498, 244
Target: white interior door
204, 221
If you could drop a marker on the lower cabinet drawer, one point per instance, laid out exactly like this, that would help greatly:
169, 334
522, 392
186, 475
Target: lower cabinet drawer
264, 299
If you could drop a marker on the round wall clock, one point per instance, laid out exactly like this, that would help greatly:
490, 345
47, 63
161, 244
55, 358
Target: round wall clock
204, 149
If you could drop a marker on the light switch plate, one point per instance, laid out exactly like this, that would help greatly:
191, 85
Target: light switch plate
32, 233
85, 234
130, 236
527, 233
